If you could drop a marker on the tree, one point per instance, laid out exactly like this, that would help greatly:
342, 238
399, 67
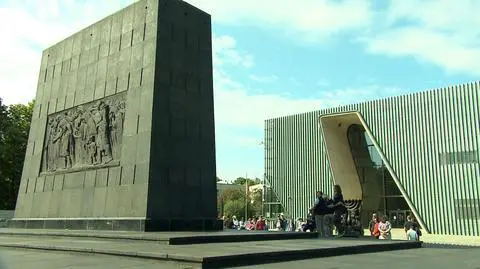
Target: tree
242, 180
232, 194
238, 195
234, 208
219, 179
3, 127
256, 202
14, 129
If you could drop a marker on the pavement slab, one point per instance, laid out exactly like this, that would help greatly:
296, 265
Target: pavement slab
172, 238
414, 258
213, 255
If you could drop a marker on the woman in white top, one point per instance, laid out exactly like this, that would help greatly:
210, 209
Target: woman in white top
385, 229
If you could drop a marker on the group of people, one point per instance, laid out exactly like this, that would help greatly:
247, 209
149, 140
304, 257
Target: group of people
305, 225
255, 223
381, 228
328, 212
412, 229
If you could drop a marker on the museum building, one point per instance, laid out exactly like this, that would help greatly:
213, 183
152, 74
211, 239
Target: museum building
411, 154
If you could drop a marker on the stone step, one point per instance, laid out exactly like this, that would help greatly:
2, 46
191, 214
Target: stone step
213, 255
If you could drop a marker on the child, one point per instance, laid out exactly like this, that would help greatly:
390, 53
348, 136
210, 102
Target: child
412, 234
92, 150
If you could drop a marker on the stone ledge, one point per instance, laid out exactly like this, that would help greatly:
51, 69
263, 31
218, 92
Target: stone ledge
118, 224
232, 260
241, 237
69, 233
171, 239
113, 163
449, 245
131, 254
292, 255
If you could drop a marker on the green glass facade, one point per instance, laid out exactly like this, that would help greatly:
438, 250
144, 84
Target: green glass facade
429, 139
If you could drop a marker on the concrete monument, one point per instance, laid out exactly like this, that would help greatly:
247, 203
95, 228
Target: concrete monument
122, 136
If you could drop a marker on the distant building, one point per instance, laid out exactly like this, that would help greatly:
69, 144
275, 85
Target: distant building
413, 154
255, 188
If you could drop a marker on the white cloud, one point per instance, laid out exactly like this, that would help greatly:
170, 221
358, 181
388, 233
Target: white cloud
445, 33
440, 32
39, 24
225, 52
240, 116
237, 107
453, 54
28, 27
263, 79
309, 17
248, 141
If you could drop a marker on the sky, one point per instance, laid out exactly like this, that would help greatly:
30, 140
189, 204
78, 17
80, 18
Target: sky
274, 58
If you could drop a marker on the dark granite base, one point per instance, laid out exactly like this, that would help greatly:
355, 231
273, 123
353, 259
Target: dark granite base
183, 225
249, 236
139, 225
259, 258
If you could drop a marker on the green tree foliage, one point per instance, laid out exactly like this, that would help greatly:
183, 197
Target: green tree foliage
232, 198
256, 202
242, 180
232, 194
235, 208
14, 128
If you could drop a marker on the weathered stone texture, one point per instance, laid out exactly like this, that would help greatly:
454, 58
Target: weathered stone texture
157, 54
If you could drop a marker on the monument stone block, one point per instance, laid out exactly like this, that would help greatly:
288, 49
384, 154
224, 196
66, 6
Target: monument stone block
122, 134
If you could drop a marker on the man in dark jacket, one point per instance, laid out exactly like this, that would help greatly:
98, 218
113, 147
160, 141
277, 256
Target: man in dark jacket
319, 210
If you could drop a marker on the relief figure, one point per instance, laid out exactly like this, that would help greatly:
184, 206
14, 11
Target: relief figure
104, 154
80, 135
84, 136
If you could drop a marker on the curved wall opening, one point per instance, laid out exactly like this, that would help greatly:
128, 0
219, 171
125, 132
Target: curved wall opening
362, 171
380, 193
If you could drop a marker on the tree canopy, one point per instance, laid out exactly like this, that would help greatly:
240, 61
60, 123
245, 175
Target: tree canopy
14, 129
242, 180
233, 200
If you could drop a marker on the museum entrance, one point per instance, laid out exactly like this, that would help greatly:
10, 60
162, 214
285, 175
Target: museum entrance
380, 193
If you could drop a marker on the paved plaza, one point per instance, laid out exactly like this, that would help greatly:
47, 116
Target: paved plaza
156, 247
416, 258
159, 248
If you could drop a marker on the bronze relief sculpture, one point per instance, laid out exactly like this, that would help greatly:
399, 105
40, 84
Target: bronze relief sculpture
85, 136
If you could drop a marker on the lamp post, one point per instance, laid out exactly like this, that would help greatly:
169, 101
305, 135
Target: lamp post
261, 143
246, 196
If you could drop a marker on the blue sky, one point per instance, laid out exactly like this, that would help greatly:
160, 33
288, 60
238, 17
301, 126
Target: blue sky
275, 58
